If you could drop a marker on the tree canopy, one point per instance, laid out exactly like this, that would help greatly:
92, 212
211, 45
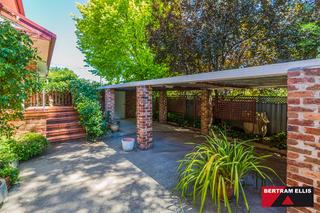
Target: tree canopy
59, 79
208, 35
112, 34
17, 78
126, 40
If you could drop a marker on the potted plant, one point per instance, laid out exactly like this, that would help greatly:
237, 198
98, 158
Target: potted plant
10, 174
217, 167
112, 124
127, 144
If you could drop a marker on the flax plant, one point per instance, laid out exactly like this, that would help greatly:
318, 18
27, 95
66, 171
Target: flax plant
216, 168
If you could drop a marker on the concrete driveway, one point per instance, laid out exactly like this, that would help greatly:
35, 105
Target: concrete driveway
100, 177
80, 177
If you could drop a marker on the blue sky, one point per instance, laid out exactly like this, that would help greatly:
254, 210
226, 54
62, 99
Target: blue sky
55, 15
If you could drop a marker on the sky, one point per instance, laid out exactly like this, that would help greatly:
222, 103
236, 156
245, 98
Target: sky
55, 16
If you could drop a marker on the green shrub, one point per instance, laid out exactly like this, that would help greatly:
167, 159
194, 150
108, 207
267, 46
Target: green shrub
7, 151
86, 100
30, 145
91, 117
10, 172
279, 140
82, 88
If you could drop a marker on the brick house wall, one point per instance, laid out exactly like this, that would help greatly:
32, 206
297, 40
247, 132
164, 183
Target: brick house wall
303, 159
31, 124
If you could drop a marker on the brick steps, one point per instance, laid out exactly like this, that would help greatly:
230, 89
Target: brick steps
49, 114
64, 138
64, 131
61, 123
51, 109
62, 119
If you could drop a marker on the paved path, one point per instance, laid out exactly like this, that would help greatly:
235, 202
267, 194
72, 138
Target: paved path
80, 177
100, 177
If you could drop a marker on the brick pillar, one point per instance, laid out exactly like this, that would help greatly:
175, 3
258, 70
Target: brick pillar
303, 161
110, 102
205, 111
163, 106
144, 117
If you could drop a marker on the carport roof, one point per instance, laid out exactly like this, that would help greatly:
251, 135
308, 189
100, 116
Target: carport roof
273, 75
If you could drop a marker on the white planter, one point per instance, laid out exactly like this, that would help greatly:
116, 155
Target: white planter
127, 144
3, 190
114, 127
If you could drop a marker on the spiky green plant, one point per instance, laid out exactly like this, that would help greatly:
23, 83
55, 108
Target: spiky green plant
219, 164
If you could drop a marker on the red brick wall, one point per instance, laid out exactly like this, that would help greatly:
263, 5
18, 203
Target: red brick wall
163, 107
144, 117
304, 132
131, 104
110, 102
38, 124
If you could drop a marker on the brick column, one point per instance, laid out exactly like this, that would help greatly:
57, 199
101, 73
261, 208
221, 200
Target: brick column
163, 106
303, 161
110, 102
205, 111
144, 117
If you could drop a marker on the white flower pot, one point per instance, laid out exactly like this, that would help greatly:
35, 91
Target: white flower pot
114, 127
127, 144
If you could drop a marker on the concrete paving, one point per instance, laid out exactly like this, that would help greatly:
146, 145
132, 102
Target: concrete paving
100, 177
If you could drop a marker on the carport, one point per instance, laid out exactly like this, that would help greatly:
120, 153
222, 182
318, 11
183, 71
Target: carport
302, 78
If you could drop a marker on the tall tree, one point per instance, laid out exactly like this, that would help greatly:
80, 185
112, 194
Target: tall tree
17, 78
207, 35
112, 34
172, 38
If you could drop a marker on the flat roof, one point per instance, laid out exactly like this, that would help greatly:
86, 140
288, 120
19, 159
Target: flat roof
272, 75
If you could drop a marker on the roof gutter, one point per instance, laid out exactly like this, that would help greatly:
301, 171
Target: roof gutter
20, 7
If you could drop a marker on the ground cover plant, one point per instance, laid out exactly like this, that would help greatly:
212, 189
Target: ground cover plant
22, 148
277, 140
30, 145
7, 151
11, 173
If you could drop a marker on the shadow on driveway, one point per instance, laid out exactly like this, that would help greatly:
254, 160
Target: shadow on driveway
81, 177
169, 146
100, 177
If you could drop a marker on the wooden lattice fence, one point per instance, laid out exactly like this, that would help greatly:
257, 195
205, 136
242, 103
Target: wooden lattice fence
235, 110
